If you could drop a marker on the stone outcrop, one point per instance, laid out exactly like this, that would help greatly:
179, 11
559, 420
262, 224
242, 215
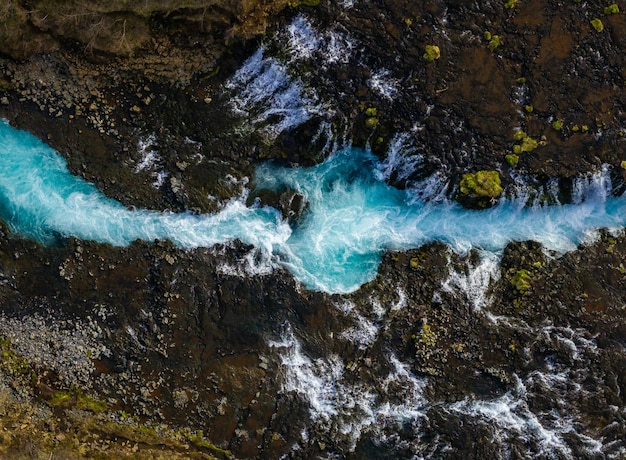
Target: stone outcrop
123, 28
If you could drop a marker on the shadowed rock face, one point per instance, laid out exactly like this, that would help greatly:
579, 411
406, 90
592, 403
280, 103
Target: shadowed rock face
123, 28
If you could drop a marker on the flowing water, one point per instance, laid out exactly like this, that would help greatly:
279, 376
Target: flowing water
352, 217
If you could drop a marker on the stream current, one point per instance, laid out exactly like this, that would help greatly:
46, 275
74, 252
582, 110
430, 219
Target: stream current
352, 215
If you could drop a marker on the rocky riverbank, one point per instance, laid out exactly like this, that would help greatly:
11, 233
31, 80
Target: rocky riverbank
153, 352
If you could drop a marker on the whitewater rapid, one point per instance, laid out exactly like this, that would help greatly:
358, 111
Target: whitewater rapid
352, 215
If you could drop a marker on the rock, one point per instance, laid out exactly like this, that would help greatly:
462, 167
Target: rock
480, 189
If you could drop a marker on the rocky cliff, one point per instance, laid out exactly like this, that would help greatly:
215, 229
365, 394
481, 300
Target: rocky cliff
124, 28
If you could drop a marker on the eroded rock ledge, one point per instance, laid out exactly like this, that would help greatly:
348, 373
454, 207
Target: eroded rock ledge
122, 28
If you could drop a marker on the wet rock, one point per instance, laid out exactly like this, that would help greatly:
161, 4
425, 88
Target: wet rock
290, 204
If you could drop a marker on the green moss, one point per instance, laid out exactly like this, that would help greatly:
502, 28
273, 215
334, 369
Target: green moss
415, 262
510, 4
432, 52
76, 398
495, 42
484, 184
512, 159
371, 111
519, 135
296, 3
371, 122
11, 361
487, 35
521, 281
623, 164
521, 80
525, 142
199, 441
597, 24
611, 9
557, 125
529, 108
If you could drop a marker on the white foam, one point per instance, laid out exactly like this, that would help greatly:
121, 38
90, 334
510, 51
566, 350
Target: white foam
269, 98
402, 159
363, 334
474, 282
150, 160
382, 83
303, 39
315, 381
255, 263
342, 408
509, 416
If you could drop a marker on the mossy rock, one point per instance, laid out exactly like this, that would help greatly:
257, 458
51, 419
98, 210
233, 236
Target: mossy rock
480, 189
432, 53
512, 159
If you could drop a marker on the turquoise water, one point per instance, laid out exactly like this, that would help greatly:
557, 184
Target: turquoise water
351, 218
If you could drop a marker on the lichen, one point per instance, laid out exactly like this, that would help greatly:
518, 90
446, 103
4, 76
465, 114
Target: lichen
510, 4
611, 9
296, 3
427, 336
557, 125
432, 53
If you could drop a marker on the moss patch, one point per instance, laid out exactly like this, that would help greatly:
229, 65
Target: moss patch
597, 24
78, 399
485, 184
432, 53
525, 142
512, 159
521, 281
